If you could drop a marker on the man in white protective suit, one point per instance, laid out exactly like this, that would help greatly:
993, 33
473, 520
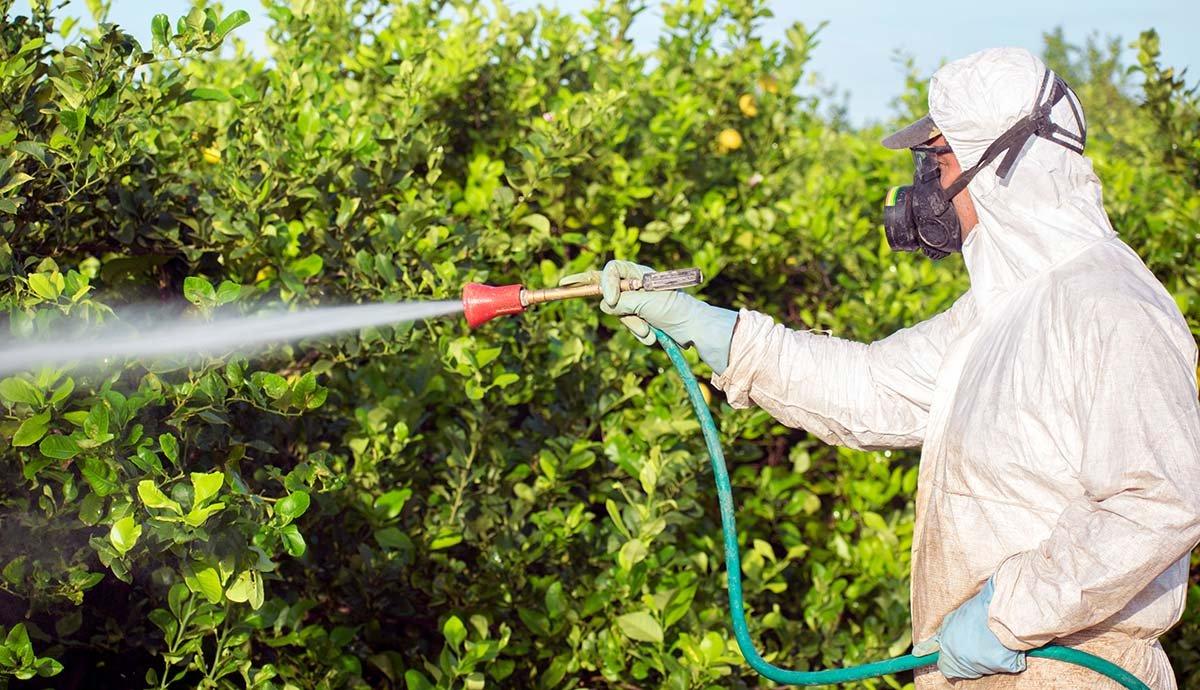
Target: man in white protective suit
1054, 402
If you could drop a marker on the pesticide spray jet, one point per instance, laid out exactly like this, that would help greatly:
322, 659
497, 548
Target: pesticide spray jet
190, 339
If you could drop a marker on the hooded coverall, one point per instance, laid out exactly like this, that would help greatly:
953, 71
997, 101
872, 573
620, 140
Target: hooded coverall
1055, 405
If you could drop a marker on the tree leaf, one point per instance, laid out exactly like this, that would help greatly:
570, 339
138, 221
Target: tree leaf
195, 19
415, 680
307, 267
206, 581
17, 641
538, 222
91, 509
166, 622
73, 120
31, 430
169, 447
76, 417
198, 516
47, 667
206, 486
631, 554
198, 291
43, 287
535, 620
213, 417
454, 631
16, 390
505, 379
317, 399
59, 447
292, 506
556, 602
99, 475
160, 27
446, 538
484, 356
232, 21
293, 542
308, 120
392, 538
147, 460
305, 384
14, 181
64, 389
14, 572
391, 503
641, 626
34, 150
203, 93
227, 292
176, 596
124, 534
95, 425
274, 385
153, 497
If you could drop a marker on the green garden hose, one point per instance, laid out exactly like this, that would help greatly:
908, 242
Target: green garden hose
733, 569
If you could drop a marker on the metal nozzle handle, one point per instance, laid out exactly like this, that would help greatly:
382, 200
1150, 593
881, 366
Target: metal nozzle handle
662, 280
666, 280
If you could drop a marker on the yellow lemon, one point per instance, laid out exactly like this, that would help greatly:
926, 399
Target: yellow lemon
768, 84
211, 155
746, 103
706, 393
729, 140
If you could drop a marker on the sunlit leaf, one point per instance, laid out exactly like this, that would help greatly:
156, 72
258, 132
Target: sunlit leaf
124, 534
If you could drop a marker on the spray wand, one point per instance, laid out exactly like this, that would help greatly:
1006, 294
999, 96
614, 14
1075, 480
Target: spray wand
481, 303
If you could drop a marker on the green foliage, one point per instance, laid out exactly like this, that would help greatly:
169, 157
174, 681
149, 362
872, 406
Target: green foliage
17, 658
425, 506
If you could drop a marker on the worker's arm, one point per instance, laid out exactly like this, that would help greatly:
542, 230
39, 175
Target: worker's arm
1139, 513
844, 392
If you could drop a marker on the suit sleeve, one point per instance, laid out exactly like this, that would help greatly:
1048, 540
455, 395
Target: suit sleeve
1137, 414
865, 396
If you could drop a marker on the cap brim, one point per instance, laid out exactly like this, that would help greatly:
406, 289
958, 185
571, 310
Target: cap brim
915, 134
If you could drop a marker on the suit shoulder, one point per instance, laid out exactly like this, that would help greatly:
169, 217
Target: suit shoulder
1111, 281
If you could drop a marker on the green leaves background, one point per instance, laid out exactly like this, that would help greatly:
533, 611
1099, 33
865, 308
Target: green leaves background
527, 505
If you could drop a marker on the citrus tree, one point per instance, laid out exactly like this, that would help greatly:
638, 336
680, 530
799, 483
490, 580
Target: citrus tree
422, 505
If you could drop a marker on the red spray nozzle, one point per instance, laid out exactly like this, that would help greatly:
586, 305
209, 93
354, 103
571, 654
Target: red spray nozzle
482, 302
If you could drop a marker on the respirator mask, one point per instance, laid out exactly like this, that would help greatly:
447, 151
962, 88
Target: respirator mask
921, 216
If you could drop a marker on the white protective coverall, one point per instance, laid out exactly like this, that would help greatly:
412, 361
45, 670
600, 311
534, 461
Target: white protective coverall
1055, 403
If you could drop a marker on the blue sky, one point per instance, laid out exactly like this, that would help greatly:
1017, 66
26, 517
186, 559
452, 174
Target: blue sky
858, 46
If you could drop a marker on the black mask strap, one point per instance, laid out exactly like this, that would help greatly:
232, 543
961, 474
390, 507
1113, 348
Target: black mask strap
1037, 123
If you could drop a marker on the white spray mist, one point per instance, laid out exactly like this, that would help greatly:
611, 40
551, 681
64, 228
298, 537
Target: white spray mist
186, 339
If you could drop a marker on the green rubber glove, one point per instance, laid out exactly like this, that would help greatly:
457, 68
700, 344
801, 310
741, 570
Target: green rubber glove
686, 319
